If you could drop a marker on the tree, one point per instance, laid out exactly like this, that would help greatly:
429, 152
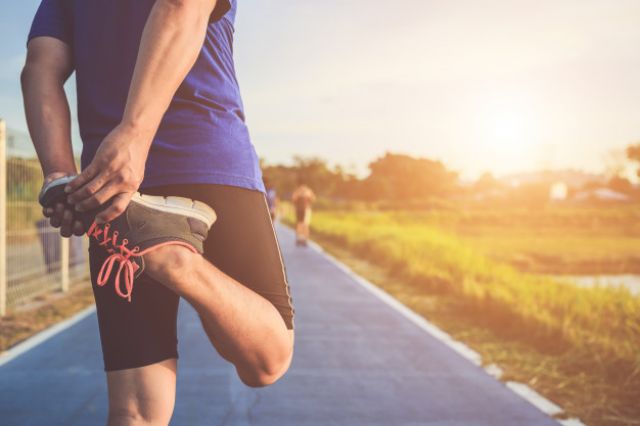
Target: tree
402, 177
486, 182
633, 154
620, 184
315, 172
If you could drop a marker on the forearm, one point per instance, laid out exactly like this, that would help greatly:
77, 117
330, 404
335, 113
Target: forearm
170, 44
48, 118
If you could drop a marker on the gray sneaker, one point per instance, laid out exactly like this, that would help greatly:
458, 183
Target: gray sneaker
53, 192
149, 222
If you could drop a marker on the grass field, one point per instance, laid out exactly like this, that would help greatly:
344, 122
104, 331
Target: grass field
552, 239
580, 347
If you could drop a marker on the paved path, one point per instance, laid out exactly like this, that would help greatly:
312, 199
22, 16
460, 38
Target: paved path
358, 362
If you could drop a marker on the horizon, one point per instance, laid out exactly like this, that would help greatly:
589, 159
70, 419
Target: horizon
28, 150
501, 88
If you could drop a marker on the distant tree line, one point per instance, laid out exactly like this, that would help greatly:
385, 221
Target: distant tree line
393, 177
401, 179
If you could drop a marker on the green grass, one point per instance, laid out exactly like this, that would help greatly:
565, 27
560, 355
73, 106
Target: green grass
552, 239
591, 332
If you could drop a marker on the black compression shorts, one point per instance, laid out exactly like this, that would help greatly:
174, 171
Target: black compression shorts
242, 243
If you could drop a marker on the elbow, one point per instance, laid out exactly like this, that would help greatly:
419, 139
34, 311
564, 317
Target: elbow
25, 76
36, 70
30, 72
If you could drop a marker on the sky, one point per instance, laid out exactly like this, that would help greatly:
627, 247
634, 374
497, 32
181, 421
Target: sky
500, 86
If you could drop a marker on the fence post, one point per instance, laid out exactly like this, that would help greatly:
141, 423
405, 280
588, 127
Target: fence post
64, 264
3, 218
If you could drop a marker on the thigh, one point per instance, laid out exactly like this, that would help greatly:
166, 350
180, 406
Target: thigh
142, 393
242, 242
137, 333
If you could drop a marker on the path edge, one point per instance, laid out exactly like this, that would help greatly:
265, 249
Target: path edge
44, 335
541, 403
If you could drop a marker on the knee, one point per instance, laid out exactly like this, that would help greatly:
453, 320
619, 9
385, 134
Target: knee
268, 372
260, 379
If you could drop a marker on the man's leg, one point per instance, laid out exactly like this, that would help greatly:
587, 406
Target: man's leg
139, 345
239, 288
299, 230
305, 231
246, 329
142, 396
254, 331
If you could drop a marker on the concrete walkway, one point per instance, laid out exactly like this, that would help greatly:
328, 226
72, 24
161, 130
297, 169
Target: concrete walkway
357, 362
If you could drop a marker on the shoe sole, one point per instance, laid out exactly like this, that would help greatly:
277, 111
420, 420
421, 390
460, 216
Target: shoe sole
178, 205
51, 191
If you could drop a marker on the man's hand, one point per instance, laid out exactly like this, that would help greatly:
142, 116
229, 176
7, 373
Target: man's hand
59, 216
114, 175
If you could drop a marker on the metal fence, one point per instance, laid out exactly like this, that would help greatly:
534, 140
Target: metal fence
34, 259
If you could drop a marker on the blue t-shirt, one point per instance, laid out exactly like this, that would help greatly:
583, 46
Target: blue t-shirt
202, 137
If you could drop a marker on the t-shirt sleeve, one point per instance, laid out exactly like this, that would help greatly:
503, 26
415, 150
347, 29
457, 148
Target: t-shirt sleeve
221, 8
53, 19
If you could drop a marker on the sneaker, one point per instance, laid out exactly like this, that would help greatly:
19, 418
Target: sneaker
53, 192
149, 222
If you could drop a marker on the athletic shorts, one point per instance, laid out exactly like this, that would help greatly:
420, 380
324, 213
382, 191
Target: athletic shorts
242, 243
303, 214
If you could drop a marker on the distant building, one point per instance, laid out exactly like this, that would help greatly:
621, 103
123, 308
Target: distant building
601, 194
571, 178
559, 191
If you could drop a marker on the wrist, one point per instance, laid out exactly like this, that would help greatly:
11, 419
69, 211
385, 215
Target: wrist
139, 129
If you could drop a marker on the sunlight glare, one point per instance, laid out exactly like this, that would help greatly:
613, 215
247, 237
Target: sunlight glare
508, 133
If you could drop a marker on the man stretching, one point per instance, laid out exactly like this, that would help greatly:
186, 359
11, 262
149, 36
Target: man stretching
165, 152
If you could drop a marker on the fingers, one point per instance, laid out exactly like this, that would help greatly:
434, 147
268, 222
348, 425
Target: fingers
61, 216
87, 190
67, 223
118, 205
65, 219
97, 199
78, 228
56, 218
83, 178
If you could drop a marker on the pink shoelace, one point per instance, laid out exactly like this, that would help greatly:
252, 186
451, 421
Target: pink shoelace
122, 254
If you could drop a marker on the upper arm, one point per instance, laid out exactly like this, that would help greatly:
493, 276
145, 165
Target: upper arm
49, 56
50, 41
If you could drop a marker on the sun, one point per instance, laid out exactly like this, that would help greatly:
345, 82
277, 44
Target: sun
508, 135
507, 126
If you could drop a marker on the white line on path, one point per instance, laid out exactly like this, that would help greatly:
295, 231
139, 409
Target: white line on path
44, 335
522, 390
